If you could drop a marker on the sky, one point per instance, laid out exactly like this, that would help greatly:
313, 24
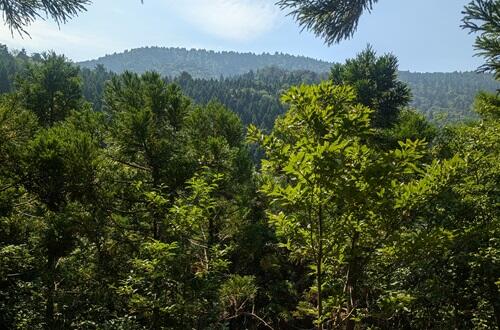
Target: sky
424, 34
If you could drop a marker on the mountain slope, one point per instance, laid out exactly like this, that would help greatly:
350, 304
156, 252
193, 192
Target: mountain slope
447, 96
441, 97
251, 91
201, 63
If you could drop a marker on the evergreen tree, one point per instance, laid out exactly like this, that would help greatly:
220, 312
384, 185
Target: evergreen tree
50, 89
18, 14
482, 16
375, 80
332, 20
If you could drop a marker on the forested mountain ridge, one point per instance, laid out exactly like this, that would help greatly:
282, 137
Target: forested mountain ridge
255, 95
231, 77
201, 63
447, 96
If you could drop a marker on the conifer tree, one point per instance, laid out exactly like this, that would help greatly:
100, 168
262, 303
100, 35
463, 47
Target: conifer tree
483, 17
332, 20
18, 14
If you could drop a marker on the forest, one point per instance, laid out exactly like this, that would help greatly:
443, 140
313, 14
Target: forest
247, 82
135, 200
201, 63
442, 98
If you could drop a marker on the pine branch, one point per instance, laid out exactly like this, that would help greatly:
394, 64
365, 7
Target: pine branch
18, 14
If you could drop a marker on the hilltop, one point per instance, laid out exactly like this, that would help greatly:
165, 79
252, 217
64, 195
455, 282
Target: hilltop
201, 63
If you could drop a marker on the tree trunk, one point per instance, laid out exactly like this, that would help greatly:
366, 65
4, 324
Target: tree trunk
51, 289
352, 278
319, 274
495, 301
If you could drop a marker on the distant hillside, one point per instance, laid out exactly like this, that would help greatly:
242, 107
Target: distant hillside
447, 97
441, 97
254, 96
253, 83
201, 63
444, 97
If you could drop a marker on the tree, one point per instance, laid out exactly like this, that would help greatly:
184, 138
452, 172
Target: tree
336, 199
147, 129
443, 271
332, 20
216, 139
50, 89
18, 14
410, 125
51, 162
375, 80
483, 17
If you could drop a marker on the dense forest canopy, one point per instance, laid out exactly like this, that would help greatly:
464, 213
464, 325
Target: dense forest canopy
132, 201
441, 97
125, 205
255, 95
447, 97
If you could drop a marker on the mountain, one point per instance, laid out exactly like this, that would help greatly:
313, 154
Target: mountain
251, 84
201, 63
447, 96
255, 96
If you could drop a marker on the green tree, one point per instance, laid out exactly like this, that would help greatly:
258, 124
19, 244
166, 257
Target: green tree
50, 89
61, 173
443, 271
216, 138
375, 80
482, 16
147, 136
336, 199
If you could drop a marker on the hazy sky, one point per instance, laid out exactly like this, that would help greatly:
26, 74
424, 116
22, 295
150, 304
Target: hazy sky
424, 34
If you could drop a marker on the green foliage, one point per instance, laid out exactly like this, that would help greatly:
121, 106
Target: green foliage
446, 98
451, 253
50, 89
481, 16
335, 198
253, 96
94, 83
442, 97
376, 83
150, 214
410, 125
147, 119
60, 165
18, 14
236, 294
332, 20
487, 106
8, 69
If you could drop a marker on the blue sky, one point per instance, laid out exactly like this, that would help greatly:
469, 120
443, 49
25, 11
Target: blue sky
424, 34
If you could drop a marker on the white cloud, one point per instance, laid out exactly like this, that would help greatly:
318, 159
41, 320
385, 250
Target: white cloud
40, 34
45, 35
237, 20
171, 22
